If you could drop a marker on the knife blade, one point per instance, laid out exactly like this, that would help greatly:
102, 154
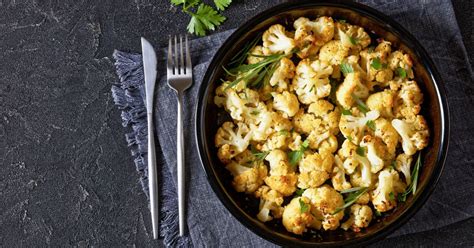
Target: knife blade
149, 72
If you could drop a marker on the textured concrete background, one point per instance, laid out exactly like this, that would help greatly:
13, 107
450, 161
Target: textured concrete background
66, 177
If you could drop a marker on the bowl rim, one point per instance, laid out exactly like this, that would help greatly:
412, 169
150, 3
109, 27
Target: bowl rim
394, 27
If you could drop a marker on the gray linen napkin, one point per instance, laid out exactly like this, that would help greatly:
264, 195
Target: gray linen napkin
433, 23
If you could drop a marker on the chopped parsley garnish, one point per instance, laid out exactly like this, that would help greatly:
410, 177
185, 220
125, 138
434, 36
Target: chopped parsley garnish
402, 73
370, 124
354, 195
304, 207
283, 132
346, 112
258, 154
414, 181
353, 40
296, 156
360, 104
376, 63
299, 192
346, 68
360, 151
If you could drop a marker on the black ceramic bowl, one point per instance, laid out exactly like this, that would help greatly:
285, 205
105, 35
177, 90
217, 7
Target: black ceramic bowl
435, 109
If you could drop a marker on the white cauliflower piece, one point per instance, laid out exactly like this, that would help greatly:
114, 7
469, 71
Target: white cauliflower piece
403, 164
282, 74
277, 40
352, 85
270, 203
382, 101
338, 177
414, 133
299, 215
311, 35
311, 81
389, 186
286, 102
231, 140
247, 179
354, 127
362, 177
241, 105
408, 101
376, 152
397, 60
333, 52
282, 177
326, 200
262, 124
374, 64
314, 169
361, 216
256, 50
388, 134
322, 117
352, 36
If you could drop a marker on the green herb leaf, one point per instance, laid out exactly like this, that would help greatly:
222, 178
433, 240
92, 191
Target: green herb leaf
360, 151
258, 154
360, 104
393, 164
346, 68
402, 73
414, 181
370, 124
304, 207
283, 132
391, 196
353, 40
305, 144
349, 138
255, 112
205, 19
377, 213
186, 3
371, 49
296, 156
222, 4
351, 199
346, 112
345, 191
376, 63
241, 56
299, 192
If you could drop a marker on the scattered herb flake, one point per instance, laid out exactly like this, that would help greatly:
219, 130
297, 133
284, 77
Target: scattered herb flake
360, 104
391, 196
402, 73
255, 112
360, 151
349, 138
353, 40
376, 63
346, 112
304, 207
283, 132
346, 68
299, 192
370, 124
351, 199
296, 156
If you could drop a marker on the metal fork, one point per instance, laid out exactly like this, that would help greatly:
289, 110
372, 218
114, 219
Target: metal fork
180, 78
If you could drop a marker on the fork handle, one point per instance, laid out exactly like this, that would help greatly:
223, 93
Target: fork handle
181, 169
152, 177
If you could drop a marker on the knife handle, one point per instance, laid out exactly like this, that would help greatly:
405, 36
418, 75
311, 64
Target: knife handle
180, 164
152, 177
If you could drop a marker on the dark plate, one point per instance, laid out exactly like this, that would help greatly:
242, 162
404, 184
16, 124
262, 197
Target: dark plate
435, 109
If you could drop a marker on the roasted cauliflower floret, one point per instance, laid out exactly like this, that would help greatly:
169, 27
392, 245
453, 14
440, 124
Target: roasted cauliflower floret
325, 142
397, 60
231, 140
338, 177
376, 152
247, 179
383, 102
299, 215
286, 102
282, 74
311, 35
270, 204
414, 133
282, 178
408, 101
352, 86
311, 81
361, 216
403, 164
388, 134
375, 65
353, 127
314, 169
326, 200
328, 114
333, 52
305, 123
351, 36
389, 186
362, 177
277, 40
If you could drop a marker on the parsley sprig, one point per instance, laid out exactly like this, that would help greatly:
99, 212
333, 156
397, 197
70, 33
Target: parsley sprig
204, 18
304, 207
414, 182
353, 195
296, 156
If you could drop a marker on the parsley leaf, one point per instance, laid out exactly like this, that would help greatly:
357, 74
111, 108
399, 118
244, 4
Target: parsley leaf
401, 72
222, 4
206, 18
346, 112
346, 68
296, 156
304, 207
360, 151
299, 192
353, 40
255, 112
258, 155
370, 124
414, 181
353, 196
283, 132
376, 63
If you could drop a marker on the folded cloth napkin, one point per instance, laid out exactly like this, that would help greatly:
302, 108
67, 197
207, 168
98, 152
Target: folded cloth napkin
433, 23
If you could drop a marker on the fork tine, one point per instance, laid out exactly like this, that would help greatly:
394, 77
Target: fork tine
176, 66
169, 62
181, 56
188, 56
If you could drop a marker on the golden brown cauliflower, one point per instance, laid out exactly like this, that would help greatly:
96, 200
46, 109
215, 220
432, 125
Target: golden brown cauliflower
286, 102
408, 101
414, 133
247, 177
376, 152
351, 36
326, 200
282, 178
388, 134
384, 197
352, 85
382, 101
361, 216
353, 127
282, 75
231, 140
338, 178
277, 40
333, 52
299, 215
314, 169
398, 60
311, 35
311, 81
270, 203
256, 50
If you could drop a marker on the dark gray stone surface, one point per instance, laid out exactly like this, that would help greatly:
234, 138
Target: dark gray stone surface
66, 177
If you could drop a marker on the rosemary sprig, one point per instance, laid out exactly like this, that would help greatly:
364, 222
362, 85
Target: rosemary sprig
240, 57
353, 196
414, 181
